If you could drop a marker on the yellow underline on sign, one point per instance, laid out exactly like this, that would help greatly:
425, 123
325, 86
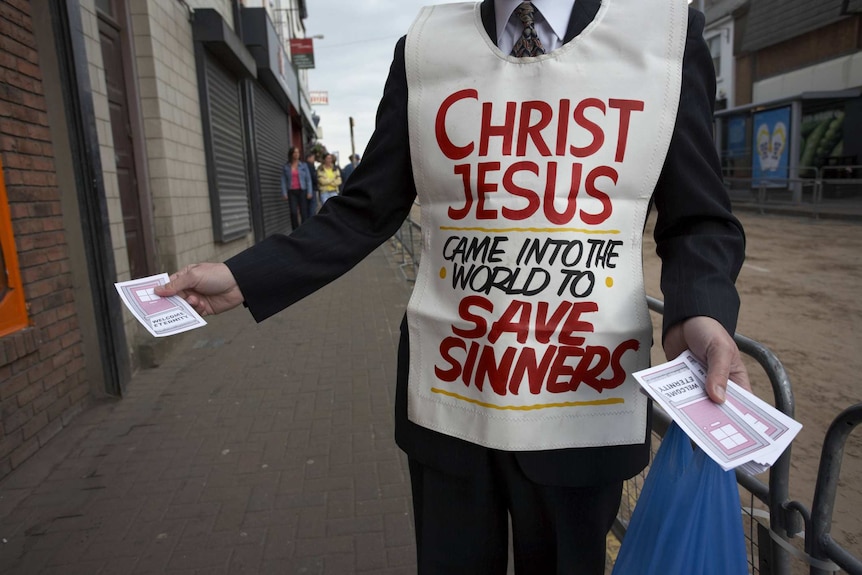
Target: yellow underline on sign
608, 401
534, 230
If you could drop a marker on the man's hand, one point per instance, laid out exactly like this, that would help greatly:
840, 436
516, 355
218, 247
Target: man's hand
209, 288
710, 343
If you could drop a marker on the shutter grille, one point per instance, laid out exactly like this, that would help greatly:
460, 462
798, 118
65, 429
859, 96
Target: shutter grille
271, 135
227, 148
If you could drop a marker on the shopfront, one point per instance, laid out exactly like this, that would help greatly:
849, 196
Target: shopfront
798, 135
274, 104
789, 142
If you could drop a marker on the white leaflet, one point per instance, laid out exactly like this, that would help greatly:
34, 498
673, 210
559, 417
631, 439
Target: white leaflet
743, 432
162, 316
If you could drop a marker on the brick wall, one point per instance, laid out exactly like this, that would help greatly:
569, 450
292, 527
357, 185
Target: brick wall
744, 79
42, 377
838, 39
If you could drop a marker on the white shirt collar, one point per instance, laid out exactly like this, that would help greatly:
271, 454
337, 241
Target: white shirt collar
555, 12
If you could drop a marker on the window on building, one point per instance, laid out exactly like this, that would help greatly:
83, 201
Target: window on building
714, 44
105, 6
13, 312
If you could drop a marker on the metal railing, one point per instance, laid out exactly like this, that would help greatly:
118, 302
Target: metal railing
820, 544
769, 532
833, 190
408, 244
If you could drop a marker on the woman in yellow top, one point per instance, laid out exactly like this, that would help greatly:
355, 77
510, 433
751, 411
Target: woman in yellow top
328, 178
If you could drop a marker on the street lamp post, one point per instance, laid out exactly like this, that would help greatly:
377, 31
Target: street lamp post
352, 141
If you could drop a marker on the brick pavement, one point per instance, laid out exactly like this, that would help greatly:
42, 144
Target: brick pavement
252, 449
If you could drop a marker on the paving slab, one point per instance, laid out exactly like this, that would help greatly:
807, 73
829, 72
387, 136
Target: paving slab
253, 448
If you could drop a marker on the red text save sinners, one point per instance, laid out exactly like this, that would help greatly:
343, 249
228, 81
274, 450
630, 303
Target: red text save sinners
504, 369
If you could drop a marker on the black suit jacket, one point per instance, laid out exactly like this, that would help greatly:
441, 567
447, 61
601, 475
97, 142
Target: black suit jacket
701, 245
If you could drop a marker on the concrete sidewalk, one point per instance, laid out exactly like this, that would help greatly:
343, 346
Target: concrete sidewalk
253, 449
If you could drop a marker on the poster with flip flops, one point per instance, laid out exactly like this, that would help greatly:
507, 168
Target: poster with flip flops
771, 147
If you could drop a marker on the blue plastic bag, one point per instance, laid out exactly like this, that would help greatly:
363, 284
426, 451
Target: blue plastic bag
687, 519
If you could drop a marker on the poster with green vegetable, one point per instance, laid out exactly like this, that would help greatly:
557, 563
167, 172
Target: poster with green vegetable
822, 137
771, 139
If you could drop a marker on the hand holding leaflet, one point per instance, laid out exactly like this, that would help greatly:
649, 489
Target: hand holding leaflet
743, 432
162, 316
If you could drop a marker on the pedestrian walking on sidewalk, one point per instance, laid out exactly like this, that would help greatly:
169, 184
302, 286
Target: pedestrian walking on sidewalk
348, 169
536, 159
314, 204
328, 178
296, 187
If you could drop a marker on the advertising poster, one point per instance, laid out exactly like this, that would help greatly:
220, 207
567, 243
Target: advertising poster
736, 147
822, 138
737, 143
771, 143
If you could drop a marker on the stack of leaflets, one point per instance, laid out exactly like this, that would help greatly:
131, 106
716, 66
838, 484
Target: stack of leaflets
744, 432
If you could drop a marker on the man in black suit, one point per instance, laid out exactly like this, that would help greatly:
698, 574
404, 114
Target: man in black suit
561, 501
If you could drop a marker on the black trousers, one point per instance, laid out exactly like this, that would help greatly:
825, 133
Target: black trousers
299, 207
462, 523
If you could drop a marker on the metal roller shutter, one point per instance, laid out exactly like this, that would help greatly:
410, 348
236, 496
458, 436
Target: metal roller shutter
271, 143
231, 181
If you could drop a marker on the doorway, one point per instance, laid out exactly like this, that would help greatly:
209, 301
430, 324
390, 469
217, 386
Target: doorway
115, 57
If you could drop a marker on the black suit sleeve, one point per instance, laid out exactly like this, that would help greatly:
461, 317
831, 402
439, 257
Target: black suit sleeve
282, 269
701, 244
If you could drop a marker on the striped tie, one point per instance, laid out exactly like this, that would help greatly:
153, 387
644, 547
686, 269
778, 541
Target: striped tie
528, 44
